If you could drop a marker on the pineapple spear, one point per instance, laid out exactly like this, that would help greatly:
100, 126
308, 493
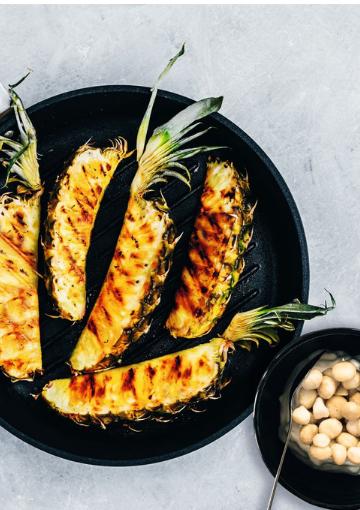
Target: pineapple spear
20, 349
168, 384
221, 235
143, 254
72, 211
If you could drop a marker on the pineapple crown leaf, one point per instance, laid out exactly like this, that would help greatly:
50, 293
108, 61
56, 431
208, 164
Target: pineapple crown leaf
14, 85
263, 323
144, 126
20, 157
157, 157
165, 147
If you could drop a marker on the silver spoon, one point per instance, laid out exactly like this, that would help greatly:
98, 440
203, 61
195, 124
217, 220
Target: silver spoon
297, 378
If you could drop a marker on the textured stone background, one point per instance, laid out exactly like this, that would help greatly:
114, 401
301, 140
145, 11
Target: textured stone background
291, 79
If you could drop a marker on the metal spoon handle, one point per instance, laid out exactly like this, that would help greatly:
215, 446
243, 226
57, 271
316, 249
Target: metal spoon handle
276, 479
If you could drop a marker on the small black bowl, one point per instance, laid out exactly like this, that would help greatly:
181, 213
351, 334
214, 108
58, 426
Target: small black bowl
321, 488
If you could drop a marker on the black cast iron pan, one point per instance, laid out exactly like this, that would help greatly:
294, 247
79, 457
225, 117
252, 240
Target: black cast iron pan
276, 272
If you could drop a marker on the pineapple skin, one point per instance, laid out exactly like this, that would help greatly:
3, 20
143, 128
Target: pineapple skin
72, 211
221, 235
132, 288
149, 389
20, 348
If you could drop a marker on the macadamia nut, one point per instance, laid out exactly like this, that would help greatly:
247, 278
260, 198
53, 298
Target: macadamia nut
313, 380
338, 454
351, 411
347, 439
301, 415
355, 398
335, 405
352, 383
321, 440
307, 398
353, 427
331, 427
343, 371
308, 432
327, 387
353, 454
320, 410
320, 453
341, 391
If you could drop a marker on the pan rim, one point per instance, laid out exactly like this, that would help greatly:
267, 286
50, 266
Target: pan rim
303, 257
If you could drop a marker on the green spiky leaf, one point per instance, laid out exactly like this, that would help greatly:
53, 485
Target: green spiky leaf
263, 323
144, 126
20, 157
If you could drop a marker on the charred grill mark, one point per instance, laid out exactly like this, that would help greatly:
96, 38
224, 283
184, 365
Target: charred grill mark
230, 194
9, 263
79, 385
28, 258
117, 294
214, 224
85, 215
92, 385
80, 195
187, 372
204, 234
176, 368
20, 218
71, 223
118, 254
106, 313
73, 265
99, 390
151, 372
15, 227
128, 383
136, 242
196, 245
102, 170
79, 191
92, 327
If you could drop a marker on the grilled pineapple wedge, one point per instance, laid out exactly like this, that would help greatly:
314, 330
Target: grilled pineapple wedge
143, 253
168, 384
20, 349
72, 211
222, 232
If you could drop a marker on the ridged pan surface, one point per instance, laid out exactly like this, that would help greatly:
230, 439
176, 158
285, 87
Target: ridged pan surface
276, 272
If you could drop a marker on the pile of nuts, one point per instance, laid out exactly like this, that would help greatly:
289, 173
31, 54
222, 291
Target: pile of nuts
329, 413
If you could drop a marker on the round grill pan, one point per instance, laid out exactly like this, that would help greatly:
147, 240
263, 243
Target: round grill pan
276, 271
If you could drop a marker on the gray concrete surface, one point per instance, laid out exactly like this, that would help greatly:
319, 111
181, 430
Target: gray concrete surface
291, 79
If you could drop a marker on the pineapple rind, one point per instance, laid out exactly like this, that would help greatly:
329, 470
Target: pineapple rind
221, 235
72, 211
20, 349
147, 389
132, 287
